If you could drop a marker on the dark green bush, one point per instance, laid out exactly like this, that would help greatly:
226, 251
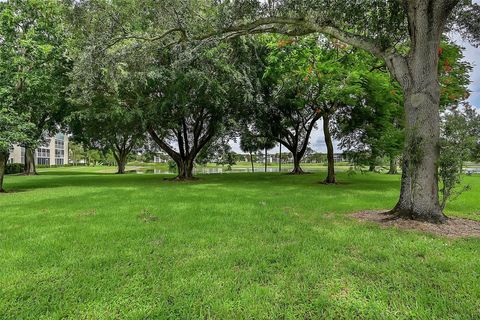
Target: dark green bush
13, 168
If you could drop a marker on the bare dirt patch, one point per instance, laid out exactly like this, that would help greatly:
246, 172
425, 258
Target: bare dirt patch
453, 228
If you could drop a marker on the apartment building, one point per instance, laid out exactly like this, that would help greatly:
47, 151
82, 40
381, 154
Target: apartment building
53, 152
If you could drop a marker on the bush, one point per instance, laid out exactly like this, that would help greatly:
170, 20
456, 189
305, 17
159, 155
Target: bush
172, 166
14, 168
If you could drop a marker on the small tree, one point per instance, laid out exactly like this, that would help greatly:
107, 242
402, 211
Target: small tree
34, 65
265, 143
458, 142
108, 127
195, 105
248, 143
14, 129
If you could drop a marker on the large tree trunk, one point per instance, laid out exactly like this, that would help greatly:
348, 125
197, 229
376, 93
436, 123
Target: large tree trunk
29, 168
296, 164
419, 187
418, 75
330, 156
3, 164
393, 165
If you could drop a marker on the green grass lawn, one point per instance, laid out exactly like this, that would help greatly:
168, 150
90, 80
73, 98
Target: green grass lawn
76, 243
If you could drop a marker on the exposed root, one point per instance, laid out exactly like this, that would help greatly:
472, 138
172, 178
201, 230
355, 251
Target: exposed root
451, 227
182, 179
437, 218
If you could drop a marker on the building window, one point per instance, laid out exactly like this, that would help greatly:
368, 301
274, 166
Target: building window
59, 149
59, 144
43, 156
43, 161
43, 153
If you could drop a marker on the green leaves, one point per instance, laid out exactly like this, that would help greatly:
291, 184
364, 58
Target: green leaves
33, 62
14, 129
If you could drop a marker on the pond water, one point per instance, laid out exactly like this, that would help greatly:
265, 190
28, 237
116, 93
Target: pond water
216, 170
470, 171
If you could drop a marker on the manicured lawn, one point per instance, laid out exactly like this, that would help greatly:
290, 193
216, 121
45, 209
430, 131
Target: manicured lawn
81, 244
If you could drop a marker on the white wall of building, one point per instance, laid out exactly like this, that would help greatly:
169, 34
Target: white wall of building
53, 152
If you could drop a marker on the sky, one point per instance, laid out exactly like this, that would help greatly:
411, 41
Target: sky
472, 55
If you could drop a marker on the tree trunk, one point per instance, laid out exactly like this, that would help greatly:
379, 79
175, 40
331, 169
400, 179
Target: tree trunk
185, 169
393, 165
419, 188
29, 168
296, 164
265, 159
3, 164
121, 159
372, 161
330, 156
251, 161
121, 163
418, 75
280, 159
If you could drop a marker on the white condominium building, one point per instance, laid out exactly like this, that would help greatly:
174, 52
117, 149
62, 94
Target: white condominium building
53, 152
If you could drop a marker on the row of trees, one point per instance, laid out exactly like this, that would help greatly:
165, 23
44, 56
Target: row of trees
180, 74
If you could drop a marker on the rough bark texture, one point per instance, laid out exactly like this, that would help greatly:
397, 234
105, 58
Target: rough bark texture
418, 76
29, 168
419, 188
330, 157
3, 164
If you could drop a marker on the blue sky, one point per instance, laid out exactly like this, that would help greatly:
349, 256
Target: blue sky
472, 55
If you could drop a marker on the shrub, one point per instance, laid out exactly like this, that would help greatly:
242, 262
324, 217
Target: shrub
14, 168
172, 166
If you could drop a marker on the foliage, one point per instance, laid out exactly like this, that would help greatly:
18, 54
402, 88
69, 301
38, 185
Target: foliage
14, 129
13, 168
34, 62
219, 152
248, 141
196, 104
454, 75
458, 145
372, 126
